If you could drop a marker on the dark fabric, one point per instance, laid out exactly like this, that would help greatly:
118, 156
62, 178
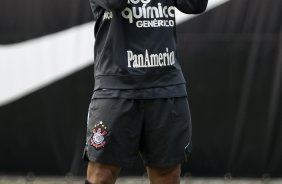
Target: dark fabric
164, 92
124, 60
118, 129
191, 6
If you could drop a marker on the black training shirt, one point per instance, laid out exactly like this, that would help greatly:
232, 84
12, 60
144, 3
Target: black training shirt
135, 47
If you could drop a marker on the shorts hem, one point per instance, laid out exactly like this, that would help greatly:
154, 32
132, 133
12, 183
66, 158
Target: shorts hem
88, 158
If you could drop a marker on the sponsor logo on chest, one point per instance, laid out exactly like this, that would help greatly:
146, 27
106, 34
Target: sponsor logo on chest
147, 60
143, 14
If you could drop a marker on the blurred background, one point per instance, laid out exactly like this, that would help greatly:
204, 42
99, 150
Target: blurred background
231, 57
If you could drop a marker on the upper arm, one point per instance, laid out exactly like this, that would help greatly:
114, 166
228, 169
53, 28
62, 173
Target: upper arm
111, 5
191, 6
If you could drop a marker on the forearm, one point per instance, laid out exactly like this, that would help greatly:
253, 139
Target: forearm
191, 6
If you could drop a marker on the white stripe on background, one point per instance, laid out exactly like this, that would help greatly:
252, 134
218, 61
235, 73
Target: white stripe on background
181, 17
28, 66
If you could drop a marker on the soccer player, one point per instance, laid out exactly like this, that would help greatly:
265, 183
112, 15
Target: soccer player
139, 104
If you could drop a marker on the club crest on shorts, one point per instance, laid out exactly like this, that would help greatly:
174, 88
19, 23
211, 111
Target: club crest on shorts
97, 140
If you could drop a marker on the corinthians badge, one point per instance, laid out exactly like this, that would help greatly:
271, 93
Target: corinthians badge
97, 140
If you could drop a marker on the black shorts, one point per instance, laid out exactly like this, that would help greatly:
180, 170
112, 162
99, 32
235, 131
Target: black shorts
119, 129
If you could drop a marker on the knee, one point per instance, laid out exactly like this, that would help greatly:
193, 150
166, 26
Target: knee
174, 170
101, 177
101, 174
165, 175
